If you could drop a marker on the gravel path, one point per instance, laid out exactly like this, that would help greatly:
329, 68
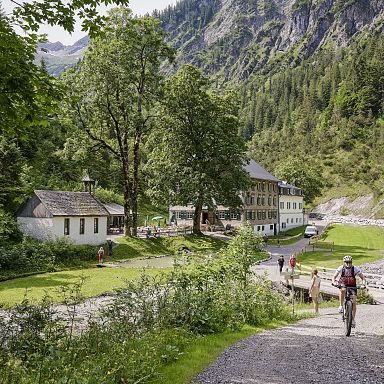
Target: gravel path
312, 351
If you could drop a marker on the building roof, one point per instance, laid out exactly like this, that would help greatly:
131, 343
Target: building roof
256, 171
60, 203
114, 209
284, 184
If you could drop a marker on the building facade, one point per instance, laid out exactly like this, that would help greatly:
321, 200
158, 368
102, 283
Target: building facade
291, 206
260, 206
76, 216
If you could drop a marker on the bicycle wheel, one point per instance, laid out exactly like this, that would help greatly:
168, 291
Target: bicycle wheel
348, 317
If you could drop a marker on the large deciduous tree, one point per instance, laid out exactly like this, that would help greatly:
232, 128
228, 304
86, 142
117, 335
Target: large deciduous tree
196, 155
115, 90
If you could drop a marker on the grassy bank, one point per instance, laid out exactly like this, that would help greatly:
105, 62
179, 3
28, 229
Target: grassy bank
96, 282
129, 248
203, 351
364, 244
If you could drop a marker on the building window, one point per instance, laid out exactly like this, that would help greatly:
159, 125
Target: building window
82, 226
294, 205
283, 225
190, 215
221, 215
281, 204
269, 200
258, 228
264, 215
300, 206
66, 226
274, 201
269, 215
300, 220
258, 199
263, 200
292, 220
269, 187
95, 225
288, 205
271, 227
252, 199
297, 220
288, 221
262, 227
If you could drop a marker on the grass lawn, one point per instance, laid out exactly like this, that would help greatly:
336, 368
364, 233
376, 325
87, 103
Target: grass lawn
364, 244
290, 236
97, 281
129, 248
203, 352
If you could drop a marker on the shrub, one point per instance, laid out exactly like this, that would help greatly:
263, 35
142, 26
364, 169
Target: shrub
33, 256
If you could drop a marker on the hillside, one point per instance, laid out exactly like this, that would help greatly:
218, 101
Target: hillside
310, 77
235, 39
59, 57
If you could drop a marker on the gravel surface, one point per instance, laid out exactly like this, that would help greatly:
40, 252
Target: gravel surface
312, 351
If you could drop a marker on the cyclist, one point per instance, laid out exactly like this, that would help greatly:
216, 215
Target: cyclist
348, 273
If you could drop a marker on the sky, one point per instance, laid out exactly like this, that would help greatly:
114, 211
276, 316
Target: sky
139, 7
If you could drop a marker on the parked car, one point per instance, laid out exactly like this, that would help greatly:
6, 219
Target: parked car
310, 231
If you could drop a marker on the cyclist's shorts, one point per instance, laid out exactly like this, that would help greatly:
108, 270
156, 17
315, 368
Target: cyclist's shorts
352, 289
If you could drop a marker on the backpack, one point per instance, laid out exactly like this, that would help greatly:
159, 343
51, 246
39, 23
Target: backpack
348, 280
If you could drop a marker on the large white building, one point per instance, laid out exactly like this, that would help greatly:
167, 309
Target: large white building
270, 206
76, 216
291, 206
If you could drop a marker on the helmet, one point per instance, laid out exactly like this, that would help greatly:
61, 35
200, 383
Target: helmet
347, 259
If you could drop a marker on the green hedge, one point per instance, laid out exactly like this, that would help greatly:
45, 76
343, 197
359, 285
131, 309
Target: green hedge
31, 256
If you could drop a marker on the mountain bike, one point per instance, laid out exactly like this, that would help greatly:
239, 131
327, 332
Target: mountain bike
347, 307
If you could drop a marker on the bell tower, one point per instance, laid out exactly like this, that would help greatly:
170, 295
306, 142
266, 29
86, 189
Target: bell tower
89, 184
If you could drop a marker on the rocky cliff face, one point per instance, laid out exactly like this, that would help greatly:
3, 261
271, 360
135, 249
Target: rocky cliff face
243, 36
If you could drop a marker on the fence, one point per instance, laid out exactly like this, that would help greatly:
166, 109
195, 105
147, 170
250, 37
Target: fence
158, 232
373, 280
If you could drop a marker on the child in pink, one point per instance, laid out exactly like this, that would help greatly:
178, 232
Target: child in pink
101, 255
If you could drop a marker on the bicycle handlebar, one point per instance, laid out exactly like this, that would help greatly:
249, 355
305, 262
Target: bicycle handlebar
344, 286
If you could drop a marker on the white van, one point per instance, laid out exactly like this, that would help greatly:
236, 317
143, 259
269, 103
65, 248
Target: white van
310, 231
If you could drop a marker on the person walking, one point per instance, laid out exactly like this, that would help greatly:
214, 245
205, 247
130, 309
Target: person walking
101, 255
292, 263
280, 262
110, 246
314, 290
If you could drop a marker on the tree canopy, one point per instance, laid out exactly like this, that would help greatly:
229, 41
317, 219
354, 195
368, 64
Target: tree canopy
114, 92
195, 153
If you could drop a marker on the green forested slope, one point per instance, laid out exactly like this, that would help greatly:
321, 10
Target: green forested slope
309, 74
328, 110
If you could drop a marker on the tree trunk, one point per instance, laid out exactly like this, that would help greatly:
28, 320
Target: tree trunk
127, 200
135, 182
197, 219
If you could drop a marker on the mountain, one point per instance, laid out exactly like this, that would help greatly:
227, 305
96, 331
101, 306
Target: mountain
234, 39
310, 75
59, 57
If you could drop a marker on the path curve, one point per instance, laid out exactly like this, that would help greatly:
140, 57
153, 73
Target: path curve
310, 351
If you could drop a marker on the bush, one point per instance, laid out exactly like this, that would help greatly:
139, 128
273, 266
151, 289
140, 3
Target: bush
33, 256
9, 231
